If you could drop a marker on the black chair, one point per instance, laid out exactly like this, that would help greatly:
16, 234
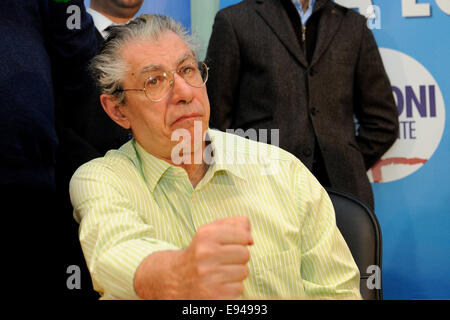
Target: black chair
360, 228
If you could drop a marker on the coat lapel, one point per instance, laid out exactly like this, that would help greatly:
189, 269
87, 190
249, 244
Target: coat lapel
329, 23
273, 13
100, 40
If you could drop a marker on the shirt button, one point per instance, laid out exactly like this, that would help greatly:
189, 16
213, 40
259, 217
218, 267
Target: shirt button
313, 111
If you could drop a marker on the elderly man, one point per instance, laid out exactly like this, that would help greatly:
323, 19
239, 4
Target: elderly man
158, 221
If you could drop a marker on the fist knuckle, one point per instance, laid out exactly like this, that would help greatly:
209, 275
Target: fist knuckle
203, 252
246, 255
246, 272
203, 232
245, 221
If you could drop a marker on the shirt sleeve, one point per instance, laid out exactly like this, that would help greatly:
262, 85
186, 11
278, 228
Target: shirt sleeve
327, 268
114, 237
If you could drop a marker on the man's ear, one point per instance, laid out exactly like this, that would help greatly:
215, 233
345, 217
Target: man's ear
112, 108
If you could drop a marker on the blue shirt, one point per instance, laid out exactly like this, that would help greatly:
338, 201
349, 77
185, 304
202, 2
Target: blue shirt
304, 16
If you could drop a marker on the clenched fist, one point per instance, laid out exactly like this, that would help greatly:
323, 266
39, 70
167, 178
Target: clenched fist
216, 260
213, 266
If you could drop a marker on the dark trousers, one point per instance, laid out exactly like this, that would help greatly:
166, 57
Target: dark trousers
40, 243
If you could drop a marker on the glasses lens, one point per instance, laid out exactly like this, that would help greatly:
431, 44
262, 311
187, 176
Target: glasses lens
195, 74
157, 86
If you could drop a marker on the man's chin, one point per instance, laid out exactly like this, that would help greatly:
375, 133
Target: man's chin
128, 4
189, 129
188, 152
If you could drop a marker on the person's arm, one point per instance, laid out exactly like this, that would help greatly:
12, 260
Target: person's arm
127, 261
213, 266
327, 266
223, 59
71, 40
114, 238
375, 107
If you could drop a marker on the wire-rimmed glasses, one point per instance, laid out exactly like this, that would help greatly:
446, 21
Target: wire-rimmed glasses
157, 86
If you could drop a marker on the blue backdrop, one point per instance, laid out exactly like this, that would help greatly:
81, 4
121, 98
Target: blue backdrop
414, 212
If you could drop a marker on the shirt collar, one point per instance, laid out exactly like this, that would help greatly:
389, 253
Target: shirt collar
225, 159
304, 15
101, 22
153, 168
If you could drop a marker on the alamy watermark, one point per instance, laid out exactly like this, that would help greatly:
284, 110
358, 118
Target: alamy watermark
372, 13
374, 280
234, 150
373, 16
74, 279
74, 19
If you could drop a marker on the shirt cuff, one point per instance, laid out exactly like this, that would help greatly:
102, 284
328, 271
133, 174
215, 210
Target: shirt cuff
117, 267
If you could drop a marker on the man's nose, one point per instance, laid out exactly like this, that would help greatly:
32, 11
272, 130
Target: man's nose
182, 92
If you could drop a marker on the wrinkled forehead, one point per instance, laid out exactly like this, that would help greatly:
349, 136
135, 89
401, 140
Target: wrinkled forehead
166, 52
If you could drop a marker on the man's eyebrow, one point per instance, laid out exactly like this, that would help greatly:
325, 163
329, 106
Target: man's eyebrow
184, 58
150, 68
159, 67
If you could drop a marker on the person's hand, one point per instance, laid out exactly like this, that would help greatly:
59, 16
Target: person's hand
214, 265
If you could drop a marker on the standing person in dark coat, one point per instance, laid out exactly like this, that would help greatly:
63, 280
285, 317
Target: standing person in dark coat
101, 132
44, 43
87, 132
84, 129
305, 68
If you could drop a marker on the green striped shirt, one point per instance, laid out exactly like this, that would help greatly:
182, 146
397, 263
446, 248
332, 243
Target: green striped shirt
130, 204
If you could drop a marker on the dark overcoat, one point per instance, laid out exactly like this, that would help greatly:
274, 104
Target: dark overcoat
261, 79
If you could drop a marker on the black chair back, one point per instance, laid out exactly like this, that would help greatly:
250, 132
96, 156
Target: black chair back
360, 228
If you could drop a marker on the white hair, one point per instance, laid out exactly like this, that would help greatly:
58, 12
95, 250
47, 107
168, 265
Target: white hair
109, 68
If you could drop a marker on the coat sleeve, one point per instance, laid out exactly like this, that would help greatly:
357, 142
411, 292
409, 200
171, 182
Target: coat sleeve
70, 39
223, 59
375, 107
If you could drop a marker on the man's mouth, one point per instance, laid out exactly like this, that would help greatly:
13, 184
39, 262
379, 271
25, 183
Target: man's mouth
186, 117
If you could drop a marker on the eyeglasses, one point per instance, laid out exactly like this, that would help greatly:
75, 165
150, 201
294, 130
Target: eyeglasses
157, 86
